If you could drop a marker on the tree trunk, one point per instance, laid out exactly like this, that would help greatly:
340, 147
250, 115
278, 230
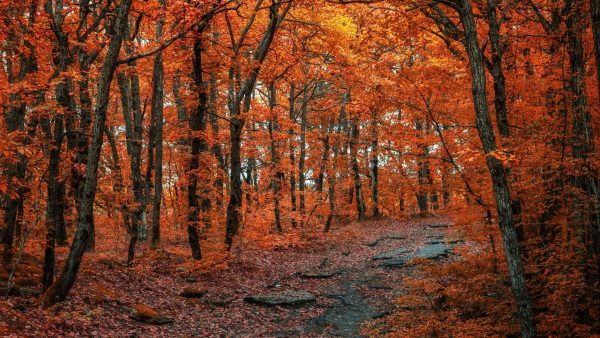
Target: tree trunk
595, 9
496, 70
60, 289
360, 203
292, 153
277, 179
14, 118
158, 91
236, 96
55, 190
374, 163
199, 145
586, 220
216, 148
497, 171
424, 171
302, 158
331, 176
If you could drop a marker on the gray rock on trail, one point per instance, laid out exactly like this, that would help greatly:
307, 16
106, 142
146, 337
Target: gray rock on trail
283, 298
445, 241
401, 256
316, 274
395, 237
391, 254
438, 225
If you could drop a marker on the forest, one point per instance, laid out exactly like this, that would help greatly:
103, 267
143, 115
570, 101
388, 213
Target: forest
294, 168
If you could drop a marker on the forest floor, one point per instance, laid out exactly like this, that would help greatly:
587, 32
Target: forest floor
328, 286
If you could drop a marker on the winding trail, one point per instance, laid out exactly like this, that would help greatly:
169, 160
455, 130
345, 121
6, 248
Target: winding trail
333, 286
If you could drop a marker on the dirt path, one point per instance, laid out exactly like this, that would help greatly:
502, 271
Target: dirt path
335, 285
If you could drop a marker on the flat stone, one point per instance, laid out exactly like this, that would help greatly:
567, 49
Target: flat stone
402, 256
391, 254
444, 241
390, 237
438, 225
394, 263
433, 252
283, 298
318, 274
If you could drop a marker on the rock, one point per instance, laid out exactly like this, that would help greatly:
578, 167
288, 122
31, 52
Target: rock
284, 298
433, 252
394, 263
445, 241
145, 314
193, 293
438, 225
191, 279
401, 256
318, 274
389, 237
391, 254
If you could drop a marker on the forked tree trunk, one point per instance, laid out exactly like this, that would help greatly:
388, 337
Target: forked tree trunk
60, 289
236, 126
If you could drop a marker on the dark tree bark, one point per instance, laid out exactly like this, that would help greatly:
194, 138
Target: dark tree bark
424, 171
497, 170
60, 289
586, 221
360, 202
331, 177
14, 118
129, 88
216, 149
54, 200
198, 145
278, 176
324, 159
496, 70
302, 156
158, 91
595, 9
374, 164
236, 126
292, 115
55, 205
